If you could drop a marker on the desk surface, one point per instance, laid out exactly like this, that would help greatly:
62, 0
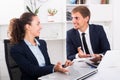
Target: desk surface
109, 68
79, 70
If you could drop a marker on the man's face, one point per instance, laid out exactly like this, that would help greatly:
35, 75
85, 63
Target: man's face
78, 21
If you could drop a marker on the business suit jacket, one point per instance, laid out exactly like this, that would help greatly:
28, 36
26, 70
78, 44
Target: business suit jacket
98, 38
28, 63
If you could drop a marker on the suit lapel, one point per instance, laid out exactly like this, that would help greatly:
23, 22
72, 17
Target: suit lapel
29, 53
92, 37
77, 41
42, 50
45, 54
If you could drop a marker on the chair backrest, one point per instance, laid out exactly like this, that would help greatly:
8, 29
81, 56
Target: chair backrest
13, 69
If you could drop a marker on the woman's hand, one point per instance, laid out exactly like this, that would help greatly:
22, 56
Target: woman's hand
58, 68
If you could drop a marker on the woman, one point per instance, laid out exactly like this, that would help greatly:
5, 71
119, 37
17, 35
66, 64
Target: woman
28, 51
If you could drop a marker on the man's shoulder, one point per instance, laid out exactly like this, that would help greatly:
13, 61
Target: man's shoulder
96, 26
71, 30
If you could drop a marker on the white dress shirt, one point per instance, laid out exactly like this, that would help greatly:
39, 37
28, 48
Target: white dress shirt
87, 36
36, 52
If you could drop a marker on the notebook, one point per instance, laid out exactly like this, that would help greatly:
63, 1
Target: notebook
78, 71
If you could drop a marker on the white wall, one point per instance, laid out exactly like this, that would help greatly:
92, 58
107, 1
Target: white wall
3, 68
116, 24
10, 9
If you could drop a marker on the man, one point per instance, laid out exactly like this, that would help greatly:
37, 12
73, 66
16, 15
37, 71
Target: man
94, 35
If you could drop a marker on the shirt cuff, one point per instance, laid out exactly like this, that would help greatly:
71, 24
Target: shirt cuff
76, 56
53, 69
101, 55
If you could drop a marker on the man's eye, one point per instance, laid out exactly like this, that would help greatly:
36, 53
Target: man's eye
75, 18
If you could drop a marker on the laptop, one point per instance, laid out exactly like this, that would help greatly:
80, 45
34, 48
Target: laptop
78, 71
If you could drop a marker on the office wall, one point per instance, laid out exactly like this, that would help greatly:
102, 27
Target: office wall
10, 9
116, 24
3, 67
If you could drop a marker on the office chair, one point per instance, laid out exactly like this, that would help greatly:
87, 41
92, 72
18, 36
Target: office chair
13, 69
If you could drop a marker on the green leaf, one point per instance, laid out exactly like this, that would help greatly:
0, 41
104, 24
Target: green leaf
29, 9
36, 11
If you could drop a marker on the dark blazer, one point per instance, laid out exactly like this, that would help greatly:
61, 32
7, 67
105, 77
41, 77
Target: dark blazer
98, 38
28, 63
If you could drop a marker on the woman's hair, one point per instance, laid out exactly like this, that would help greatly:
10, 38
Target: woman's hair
16, 29
83, 10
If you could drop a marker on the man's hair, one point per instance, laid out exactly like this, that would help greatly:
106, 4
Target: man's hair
83, 10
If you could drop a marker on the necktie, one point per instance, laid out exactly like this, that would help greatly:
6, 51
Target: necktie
85, 44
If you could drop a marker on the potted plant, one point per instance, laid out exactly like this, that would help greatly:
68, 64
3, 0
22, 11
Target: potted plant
34, 5
35, 11
51, 13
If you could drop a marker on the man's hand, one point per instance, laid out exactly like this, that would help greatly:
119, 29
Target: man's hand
81, 54
96, 58
68, 63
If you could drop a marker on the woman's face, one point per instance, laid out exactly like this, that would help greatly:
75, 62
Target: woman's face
35, 27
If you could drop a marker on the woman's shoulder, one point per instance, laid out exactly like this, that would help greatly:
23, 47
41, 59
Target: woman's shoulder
18, 45
41, 41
